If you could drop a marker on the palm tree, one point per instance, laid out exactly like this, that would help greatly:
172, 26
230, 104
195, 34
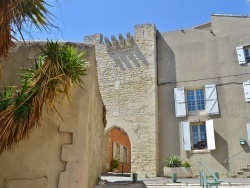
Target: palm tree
58, 68
15, 15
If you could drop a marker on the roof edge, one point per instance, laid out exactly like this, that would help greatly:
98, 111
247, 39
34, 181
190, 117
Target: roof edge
231, 15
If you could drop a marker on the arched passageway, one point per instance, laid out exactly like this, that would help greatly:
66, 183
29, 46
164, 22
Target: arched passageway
119, 149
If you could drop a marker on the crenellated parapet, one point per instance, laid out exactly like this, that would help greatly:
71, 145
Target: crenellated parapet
121, 43
93, 39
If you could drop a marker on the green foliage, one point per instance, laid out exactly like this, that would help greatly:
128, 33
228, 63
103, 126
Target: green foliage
58, 68
173, 161
18, 15
186, 164
6, 97
115, 163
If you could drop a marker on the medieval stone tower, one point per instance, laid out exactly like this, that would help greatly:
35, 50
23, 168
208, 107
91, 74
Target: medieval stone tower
127, 75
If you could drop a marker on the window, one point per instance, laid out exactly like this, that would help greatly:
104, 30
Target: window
199, 101
246, 87
247, 55
120, 151
198, 135
125, 155
243, 53
116, 150
195, 100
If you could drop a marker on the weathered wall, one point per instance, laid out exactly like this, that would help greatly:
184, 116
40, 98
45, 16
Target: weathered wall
193, 58
127, 79
61, 153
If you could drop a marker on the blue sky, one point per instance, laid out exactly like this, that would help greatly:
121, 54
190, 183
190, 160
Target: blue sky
79, 18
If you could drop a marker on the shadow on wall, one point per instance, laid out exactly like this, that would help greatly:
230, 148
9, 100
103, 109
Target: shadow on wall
169, 141
221, 152
129, 59
165, 62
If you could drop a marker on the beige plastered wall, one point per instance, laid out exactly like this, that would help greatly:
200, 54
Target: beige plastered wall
68, 153
193, 58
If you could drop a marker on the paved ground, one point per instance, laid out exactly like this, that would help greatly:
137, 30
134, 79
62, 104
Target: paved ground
112, 180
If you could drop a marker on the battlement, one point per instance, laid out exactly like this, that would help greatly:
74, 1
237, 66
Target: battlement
93, 39
120, 43
142, 31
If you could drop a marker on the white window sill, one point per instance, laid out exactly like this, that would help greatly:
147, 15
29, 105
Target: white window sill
201, 151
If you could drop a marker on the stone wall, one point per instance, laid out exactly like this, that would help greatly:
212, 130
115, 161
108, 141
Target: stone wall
127, 79
60, 154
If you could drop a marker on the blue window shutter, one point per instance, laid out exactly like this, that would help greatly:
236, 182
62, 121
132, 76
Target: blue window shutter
210, 135
212, 106
186, 139
241, 55
246, 87
180, 106
248, 132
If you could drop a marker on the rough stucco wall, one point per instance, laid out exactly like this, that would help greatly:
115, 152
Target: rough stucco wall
127, 79
61, 153
199, 55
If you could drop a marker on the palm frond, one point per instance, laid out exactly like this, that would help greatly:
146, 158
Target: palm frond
58, 68
15, 15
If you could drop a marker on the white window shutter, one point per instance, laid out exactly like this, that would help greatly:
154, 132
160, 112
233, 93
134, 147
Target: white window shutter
180, 106
121, 153
212, 106
186, 139
114, 149
240, 54
248, 132
246, 86
125, 154
210, 135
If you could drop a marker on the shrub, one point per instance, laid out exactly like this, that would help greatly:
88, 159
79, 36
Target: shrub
186, 164
115, 163
173, 161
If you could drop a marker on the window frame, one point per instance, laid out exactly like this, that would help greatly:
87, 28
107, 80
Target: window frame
241, 54
210, 101
196, 105
198, 124
187, 134
120, 151
247, 50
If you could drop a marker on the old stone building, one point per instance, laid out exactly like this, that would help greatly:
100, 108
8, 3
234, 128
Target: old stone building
128, 85
178, 93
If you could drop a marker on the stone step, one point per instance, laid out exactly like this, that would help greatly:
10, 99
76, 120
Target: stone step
233, 176
239, 172
245, 169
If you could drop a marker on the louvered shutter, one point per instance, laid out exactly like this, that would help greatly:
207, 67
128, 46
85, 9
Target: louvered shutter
180, 106
121, 153
212, 106
248, 132
125, 155
246, 86
114, 149
210, 135
186, 139
241, 55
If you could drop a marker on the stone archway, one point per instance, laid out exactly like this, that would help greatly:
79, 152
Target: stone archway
119, 148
